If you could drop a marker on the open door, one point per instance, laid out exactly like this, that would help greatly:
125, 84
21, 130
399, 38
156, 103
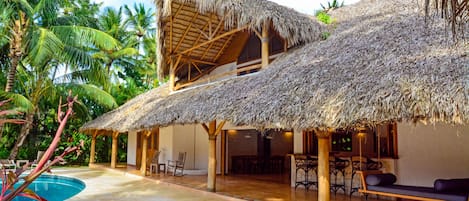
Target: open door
153, 146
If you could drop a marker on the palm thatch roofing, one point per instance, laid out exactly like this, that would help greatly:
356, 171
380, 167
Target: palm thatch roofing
184, 24
120, 119
381, 64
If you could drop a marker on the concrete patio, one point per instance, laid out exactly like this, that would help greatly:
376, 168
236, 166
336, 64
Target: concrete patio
122, 183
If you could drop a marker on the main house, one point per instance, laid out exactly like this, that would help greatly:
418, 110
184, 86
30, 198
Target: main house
382, 73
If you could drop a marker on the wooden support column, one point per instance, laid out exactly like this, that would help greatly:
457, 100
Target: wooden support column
223, 153
172, 75
212, 131
143, 167
324, 192
114, 149
265, 44
93, 147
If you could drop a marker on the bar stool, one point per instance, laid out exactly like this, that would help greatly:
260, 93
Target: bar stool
306, 164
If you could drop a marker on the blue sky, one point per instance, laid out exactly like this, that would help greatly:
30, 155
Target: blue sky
304, 6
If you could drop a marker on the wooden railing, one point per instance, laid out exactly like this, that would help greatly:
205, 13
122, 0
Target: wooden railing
218, 76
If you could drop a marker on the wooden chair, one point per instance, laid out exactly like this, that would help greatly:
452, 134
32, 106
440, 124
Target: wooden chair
178, 164
155, 163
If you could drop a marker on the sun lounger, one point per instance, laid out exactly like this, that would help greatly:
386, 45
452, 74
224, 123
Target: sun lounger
377, 183
8, 165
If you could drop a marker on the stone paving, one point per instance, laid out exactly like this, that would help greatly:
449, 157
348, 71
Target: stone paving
115, 186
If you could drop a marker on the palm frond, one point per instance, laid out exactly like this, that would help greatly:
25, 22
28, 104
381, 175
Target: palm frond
76, 56
86, 35
124, 52
21, 102
26, 7
94, 93
44, 46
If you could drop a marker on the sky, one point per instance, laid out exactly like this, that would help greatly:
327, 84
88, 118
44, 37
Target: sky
304, 6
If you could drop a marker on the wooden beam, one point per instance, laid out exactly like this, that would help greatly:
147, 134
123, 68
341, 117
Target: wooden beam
202, 32
143, 167
265, 44
211, 36
197, 67
205, 128
171, 33
186, 58
222, 48
186, 31
222, 20
198, 38
115, 136
93, 147
219, 128
212, 157
214, 39
172, 27
324, 192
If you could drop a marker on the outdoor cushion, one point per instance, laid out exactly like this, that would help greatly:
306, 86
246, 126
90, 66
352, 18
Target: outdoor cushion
380, 179
452, 185
426, 192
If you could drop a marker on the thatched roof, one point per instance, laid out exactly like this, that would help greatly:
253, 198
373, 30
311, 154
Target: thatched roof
381, 64
122, 117
184, 24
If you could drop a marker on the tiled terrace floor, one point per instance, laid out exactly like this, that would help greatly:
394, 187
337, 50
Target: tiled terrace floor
244, 187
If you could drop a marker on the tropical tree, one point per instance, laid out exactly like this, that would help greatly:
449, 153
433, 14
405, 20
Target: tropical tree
114, 59
41, 44
141, 22
17, 18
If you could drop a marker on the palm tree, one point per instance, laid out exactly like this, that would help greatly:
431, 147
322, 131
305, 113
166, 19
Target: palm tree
19, 15
115, 59
142, 25
40, 44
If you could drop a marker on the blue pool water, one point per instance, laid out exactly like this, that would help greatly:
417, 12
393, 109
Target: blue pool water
55, 188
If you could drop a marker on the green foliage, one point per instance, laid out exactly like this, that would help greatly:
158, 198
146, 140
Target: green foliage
332, 5
106, 58
324, 17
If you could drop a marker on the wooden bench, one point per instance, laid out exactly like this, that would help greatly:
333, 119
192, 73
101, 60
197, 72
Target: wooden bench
409, 192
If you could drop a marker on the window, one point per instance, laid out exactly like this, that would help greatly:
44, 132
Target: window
378, 141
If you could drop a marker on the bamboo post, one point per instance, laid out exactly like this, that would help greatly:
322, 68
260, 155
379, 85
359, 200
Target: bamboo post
143, 166
172, 75
324, 192
212, 157
265, 44
114, 149
223, 154
212, 131
93, 147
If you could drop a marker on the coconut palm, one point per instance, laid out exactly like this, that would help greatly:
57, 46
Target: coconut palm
141, 22
114, 59
39, 44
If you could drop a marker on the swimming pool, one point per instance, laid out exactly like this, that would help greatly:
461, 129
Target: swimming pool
55, 188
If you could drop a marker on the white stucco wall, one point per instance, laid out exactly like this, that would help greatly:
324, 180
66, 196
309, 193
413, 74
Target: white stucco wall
428, 152
132, 148
297, 141
201, 148
187, 138
184, 141
166, 143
